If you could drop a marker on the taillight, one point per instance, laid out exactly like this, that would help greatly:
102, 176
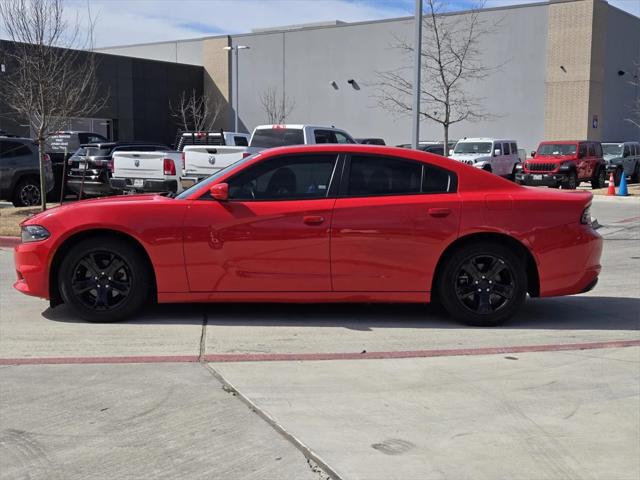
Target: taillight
169, 167
245, 154
110, 164
47, 158
182, 160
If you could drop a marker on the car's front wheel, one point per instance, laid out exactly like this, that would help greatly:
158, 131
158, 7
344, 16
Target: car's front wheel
104, 279
27, 193
571, 182
482, 284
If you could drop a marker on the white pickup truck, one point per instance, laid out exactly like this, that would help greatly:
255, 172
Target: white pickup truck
155, 171
207, 152
204, 160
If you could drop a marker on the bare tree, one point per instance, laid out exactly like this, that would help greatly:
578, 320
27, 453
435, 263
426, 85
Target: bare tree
197, 113
277, 107
450, 60
634, 108
49, 77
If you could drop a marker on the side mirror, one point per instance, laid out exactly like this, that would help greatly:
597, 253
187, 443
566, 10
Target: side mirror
220, 191
497, 152
450, 151
533, 153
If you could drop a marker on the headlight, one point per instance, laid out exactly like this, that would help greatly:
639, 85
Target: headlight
34, 233
586, 216
519, 167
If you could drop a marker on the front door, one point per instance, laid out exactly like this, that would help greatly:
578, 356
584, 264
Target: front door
272, 235
390, 223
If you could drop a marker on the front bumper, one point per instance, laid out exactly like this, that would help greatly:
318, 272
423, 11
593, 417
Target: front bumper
147, 185
32, 270
541, 179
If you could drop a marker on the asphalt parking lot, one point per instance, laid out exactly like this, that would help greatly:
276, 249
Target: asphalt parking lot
352, 391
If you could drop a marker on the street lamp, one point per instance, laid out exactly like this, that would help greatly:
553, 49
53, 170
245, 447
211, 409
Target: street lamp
235, 87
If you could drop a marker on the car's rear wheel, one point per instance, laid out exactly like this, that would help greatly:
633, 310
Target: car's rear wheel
27, 193
635, 176
599, 179
482, 284
572, 181
104, 279
487, 168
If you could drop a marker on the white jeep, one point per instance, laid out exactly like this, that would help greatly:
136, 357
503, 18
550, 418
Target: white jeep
496, 156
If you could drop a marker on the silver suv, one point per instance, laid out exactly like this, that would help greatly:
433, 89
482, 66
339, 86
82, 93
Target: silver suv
20, 172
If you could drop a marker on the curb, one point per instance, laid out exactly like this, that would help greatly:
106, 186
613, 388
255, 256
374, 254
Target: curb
9, 242
610, 198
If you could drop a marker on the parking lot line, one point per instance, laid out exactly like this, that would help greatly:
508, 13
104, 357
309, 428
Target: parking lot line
284, 357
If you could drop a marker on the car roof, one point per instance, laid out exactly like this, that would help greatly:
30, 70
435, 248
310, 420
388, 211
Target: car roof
294, 126
19, 139
485, 139
121, 144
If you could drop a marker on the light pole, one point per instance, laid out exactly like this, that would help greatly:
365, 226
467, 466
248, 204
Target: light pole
417, 45
236, 93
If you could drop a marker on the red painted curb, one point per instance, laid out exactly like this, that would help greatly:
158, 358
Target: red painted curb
283, 357
9, 241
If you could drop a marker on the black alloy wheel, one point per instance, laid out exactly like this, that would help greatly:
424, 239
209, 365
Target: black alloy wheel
105, 279
599, 179
572, 181
482, 284
27, 194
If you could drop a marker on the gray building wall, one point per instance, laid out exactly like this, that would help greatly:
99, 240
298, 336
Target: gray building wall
303, 63
182, 51
622, 50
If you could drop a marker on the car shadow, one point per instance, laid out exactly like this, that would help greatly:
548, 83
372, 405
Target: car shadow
562, 313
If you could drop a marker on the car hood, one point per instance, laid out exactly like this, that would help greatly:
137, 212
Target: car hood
471, 156
551, 158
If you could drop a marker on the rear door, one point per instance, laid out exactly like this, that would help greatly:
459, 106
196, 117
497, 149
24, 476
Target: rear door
583, 161
390, 223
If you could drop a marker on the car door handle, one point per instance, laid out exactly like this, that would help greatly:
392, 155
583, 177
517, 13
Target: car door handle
313, 219
439, 212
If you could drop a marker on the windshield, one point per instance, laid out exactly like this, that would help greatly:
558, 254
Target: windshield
612, 149
473, 147
277, 137
557, 149
209, 180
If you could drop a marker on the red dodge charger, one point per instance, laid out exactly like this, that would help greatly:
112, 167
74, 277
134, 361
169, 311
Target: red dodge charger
331, 223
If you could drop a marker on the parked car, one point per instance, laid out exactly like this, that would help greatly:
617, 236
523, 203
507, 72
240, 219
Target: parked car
430, 147
622, 158
564, 164
202, 161
207, 152
90, 167
406, 226
139, 171
370, 141
20, 172
497, 156
66, 141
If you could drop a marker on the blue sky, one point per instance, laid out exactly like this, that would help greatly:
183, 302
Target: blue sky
121, 22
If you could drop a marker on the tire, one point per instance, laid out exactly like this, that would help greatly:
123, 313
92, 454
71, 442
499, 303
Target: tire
27, 193
599, 179
496, 268
487, 168
104, 279
572, 181
635, 176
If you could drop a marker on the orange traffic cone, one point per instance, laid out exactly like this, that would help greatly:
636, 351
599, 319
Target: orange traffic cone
612, 185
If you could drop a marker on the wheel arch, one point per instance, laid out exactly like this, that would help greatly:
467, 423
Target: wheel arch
19, 176
69, 242
533, 277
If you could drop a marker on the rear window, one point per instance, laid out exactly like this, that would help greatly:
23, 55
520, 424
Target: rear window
240, 141
93, 151
277, 137
557, 149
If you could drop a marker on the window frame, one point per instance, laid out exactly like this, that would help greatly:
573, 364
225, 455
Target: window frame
346, 172
332, 191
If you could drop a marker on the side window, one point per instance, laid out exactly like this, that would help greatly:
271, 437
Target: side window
514, 148
592, 150
342, 138
627, 151
497, 146
506, 149
323, 136
371, 175
240, 141
13, 149
438, 180
582, 150
292, 177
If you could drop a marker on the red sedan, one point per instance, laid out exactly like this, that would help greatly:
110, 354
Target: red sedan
332, 223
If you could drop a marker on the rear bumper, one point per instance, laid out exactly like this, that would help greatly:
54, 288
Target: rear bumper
147, 185
31, 262
90, 189
541, 179
574, 267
